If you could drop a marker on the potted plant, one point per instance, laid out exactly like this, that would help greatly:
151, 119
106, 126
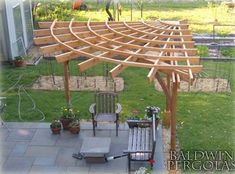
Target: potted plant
55, 126
132, 121
68, 115
152, 110
19, 61
74, 126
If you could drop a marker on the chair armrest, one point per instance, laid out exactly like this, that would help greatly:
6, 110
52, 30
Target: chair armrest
92, 108
119, 108
139, 121
137, 151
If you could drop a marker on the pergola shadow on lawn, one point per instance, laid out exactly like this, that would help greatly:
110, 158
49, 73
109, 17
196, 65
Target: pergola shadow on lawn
164, 48
31, 148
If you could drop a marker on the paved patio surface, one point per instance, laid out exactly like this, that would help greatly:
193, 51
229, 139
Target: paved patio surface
30, 148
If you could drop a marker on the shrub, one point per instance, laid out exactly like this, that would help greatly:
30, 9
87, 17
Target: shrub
202, 51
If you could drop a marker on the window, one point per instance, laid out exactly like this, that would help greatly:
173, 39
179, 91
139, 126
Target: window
28, 21
18, 22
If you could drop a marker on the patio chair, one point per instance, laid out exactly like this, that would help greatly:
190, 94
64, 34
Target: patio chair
105, 109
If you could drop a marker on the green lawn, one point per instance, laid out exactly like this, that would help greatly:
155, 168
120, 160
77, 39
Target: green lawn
200, 14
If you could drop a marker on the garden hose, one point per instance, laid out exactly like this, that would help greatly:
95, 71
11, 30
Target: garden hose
19, 87
32, 100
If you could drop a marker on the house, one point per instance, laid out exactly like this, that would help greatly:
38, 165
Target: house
16, 28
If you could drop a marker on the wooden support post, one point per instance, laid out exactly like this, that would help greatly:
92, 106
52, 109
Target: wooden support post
173, 120
66, 82
167, 112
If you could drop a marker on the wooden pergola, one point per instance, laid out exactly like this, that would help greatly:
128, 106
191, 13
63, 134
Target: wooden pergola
161, 47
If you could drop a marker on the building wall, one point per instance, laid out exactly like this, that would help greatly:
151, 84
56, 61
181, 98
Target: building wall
19, 21
4, 40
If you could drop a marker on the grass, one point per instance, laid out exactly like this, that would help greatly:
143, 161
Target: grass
194, 12
81, 100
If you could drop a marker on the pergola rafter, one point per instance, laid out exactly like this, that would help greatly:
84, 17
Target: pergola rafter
159, 46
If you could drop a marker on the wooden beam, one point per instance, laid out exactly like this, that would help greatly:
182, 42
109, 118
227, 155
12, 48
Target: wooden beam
188, 38
164, 87
187, 33
87, 64
45, 25
90, 62
66, 83
153, 71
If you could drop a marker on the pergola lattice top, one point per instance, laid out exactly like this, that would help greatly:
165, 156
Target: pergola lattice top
159, 46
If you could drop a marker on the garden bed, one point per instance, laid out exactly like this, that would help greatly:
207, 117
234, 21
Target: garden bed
202, 85
79, 83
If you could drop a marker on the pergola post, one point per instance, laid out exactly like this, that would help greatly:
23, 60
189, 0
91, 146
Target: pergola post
66, 82
173, 121
167, 112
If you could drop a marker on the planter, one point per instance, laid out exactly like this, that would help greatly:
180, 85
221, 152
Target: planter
74, 130
19, 63
56, 130
132, 123
65, 123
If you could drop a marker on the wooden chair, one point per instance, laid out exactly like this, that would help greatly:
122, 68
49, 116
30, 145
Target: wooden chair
105, 109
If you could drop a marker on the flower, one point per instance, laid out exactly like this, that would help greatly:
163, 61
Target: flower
151, 162
67, 112
150, 110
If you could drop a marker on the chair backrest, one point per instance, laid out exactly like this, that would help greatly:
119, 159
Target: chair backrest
105, 102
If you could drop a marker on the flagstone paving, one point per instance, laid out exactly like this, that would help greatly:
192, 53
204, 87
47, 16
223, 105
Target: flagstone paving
29, 148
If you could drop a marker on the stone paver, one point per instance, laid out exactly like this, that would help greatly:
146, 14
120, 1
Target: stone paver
30, 148
17, 165
42, 151
21, 134
48, 170
67, 139
64, 157
44, 137
44, 161
19, 149
76, 170
4, 133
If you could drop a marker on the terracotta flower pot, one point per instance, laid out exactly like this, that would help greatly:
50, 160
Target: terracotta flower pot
19, 63
56, 130
74, 130
65, 122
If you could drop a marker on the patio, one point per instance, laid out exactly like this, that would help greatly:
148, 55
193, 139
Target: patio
31, 148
